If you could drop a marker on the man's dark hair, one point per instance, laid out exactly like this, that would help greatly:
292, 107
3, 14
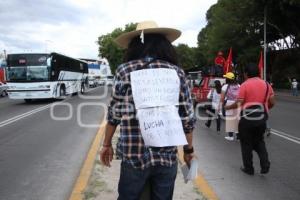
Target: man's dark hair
155, 46
218, 86
230, 81
251, 70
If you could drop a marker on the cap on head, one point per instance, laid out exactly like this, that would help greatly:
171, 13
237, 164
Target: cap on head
229, 75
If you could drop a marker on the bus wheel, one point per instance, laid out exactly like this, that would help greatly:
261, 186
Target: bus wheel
62, 91
82, 89
28, 100
3, 93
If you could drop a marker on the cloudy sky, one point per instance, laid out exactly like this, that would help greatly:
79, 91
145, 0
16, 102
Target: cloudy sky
73, 26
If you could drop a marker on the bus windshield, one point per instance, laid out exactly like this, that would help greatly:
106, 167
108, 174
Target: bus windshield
27, 67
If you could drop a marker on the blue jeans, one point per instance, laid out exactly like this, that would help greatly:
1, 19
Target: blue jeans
294, 91
160, 178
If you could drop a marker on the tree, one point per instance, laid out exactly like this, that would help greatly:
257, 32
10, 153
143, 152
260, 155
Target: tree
189, 57
186, 56
230, 24
239, 24
199, 58
109, 49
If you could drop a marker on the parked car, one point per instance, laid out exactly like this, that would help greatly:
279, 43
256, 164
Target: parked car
3, 89
202, 81
101, 81
92, 82
109, 80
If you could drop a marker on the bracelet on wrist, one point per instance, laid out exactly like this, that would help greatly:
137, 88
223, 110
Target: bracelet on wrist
106, 145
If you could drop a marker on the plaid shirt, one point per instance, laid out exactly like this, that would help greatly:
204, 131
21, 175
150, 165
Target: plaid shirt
122, 111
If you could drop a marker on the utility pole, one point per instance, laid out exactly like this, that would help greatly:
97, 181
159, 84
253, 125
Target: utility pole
4, 51
265, 42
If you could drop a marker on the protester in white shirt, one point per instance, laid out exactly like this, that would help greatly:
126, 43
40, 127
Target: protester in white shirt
294, 86
213, 113
228, 96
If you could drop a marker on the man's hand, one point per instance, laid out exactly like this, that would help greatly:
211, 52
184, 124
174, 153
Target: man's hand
107, 152
106, 155
188, 158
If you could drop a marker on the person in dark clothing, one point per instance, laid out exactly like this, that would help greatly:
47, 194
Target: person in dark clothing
255, 99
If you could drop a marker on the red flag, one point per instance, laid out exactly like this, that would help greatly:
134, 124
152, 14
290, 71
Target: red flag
261, 65
228, 63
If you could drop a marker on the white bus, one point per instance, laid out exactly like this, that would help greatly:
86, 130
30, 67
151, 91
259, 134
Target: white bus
41, 76
99, 71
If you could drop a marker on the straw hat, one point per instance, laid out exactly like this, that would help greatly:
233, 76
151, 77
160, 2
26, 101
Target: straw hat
148, 27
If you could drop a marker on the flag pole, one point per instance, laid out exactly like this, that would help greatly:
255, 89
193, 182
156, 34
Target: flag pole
265, 43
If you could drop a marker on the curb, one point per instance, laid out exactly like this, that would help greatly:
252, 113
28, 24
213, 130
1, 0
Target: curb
202, 185
87, 167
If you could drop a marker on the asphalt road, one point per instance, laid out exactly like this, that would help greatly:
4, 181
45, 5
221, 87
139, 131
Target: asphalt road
220, 160
40, 157
285, 115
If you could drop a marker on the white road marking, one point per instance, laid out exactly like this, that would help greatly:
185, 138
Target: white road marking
286, 136
21, 116
92, 89
18, 117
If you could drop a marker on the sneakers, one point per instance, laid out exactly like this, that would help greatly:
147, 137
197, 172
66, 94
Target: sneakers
268, 132
229, 138
207, 125
247, 171
265, 170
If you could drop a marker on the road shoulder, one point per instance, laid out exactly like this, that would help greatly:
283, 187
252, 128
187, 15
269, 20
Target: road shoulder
103, 183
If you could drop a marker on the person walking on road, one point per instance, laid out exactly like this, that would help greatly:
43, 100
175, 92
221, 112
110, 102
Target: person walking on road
214, 95
136, 106
294, 87
255, 99
229, 96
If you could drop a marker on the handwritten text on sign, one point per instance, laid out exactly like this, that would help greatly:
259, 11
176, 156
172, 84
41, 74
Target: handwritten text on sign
161, 126
155, 87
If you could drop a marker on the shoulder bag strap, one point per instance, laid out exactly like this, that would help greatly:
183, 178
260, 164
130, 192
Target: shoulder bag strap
226, 90
266, 95
267, 91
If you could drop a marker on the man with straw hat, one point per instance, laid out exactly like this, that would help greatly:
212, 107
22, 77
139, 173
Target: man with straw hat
149, 96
